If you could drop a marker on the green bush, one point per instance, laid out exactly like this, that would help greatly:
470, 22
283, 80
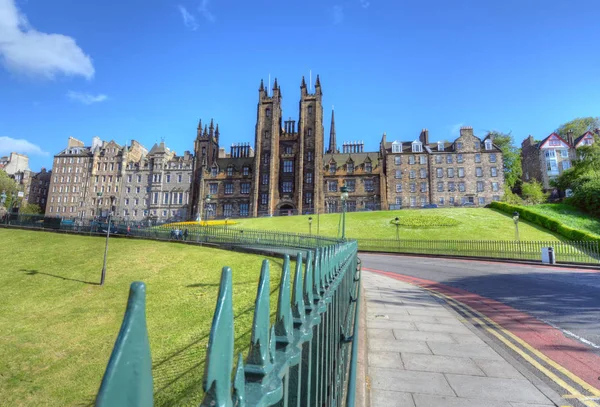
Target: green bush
419, 221
587, 197
544, 221
511, 198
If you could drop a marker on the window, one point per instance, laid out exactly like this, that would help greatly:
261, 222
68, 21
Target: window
423, 187
461, 187
332, 186
310, 109
411, 159
398, 174
440, 187
265, 159
266, 134
287, 186
246, 170
441, 201
564, 153
368, 167
369, 185
397, 159
308, 198
423, 200
450, 172
229, 171
155, 198
398, 187
332, 168
449, 159
351, 185
479, 186
479, 172
168, 178
308, 178
554, 142
268, 112
126, 201
264, 198
139, 178
494, 186
288, 166
459, 158
439, 172
245, 188
417, 147
488, 144
493, 158
214, 171
398, 200
350, 168
440, 146
451, 187
566, 165
166, 198
496, 198
461, 172
128, 190
477, 158
265, 179
309, 156
438, 159
422, 173
422, 159
129, 178
413, 201
244, 209
288, 150
136, 201
412, 174
477, 145
396, 147
494, 171
451, 200
227, 210
413, 187
229, 188
459, 146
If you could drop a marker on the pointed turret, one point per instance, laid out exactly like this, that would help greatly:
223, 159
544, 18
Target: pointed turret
199, 130
332, 143
211, 129
262, 86
303, 84
217, 133
275, 87
205, 130
318, 86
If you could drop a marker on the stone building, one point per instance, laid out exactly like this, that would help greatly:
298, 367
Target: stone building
465, 171
545, 160
36, 192
14, 163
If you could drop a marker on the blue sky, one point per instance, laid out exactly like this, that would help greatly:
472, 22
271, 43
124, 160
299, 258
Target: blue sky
147, 70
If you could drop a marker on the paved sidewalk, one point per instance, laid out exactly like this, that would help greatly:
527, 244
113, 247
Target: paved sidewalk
421, 354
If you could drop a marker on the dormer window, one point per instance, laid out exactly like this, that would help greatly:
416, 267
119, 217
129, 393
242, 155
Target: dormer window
396, 147
332, 168
229, 171
246, 170
417, 147
440, 146
350, 168
213, 171
368, 167
488, 144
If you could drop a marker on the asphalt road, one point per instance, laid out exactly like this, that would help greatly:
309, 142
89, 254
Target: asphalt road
567, 299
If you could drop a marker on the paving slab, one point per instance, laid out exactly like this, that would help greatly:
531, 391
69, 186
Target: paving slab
421, 353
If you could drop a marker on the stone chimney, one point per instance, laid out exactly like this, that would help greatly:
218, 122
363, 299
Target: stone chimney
570, 138
424, 137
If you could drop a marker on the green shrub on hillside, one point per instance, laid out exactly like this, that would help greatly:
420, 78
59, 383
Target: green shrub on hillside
587, 197
545, 221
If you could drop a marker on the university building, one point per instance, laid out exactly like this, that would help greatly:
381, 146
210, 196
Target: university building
289, 170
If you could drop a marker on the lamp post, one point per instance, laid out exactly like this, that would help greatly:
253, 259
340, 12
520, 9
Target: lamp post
344, 197
397, 223
310, 225
103, 275
516, 220
207, 202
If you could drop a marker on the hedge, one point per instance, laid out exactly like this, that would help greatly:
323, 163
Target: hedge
545, 221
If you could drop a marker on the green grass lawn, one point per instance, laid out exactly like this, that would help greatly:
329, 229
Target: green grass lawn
428, 224
569, 216
57, 328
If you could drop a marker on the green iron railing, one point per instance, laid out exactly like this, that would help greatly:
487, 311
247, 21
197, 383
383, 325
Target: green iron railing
584, 252
306, 358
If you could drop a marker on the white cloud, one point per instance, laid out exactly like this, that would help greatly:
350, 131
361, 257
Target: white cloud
365, 3
27, 51
9, 145
188, 19
203, 9
338, 14
86, 98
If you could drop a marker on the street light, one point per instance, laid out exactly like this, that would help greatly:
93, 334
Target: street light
310, 225
397, 223
207, 201
516, 219
103, 275
344, 197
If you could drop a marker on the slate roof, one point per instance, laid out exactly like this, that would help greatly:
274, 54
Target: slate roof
357, 158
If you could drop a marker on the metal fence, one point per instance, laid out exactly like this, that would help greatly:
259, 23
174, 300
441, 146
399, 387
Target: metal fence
585, 252
304, 359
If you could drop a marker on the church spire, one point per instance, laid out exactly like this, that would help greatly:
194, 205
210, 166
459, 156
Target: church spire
262, 86
332, 143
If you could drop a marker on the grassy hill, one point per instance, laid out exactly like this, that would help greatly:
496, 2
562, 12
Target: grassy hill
427, 224
58, 328
569, 216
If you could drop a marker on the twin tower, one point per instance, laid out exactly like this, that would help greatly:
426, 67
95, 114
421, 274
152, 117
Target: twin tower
287, 167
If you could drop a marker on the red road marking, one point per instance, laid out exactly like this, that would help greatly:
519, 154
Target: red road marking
567, 352
495, 263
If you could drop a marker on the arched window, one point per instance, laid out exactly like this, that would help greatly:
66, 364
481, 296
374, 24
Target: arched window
268, 112
309, 132
310, 110
203, 150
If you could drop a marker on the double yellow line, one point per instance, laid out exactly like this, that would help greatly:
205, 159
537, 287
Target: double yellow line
504, 335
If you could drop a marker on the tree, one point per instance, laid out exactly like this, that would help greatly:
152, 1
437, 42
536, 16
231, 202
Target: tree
585, 167
8, 186
511, 157
32, 209
533, 193
578, 126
